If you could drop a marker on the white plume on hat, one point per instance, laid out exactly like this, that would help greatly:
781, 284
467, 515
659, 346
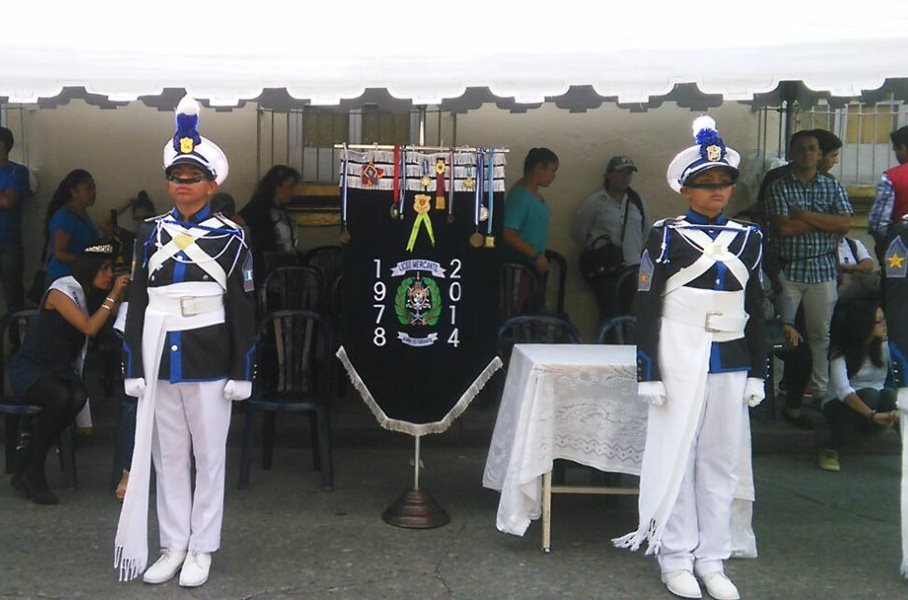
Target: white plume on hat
710, 152
188, 147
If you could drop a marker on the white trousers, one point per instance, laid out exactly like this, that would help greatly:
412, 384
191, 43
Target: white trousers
190, 417
697, 535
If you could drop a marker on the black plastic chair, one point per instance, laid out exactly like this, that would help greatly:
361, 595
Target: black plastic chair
292, 288
329, 260
14, 410
295, 373
522, 291
558, 271
532, 329
619, 330
626, 291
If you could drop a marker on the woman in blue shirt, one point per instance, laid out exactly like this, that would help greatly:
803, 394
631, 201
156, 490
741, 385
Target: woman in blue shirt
68, 227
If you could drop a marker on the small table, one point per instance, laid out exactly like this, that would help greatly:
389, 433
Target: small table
568, 401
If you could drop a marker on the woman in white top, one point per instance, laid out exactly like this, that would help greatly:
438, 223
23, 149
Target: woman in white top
858, 375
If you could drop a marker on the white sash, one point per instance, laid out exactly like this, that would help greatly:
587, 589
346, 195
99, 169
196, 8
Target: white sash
196, 255
71, 288
131, 542
713, 251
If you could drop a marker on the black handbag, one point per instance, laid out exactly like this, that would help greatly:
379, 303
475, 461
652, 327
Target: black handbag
601, 258
775, 336
604, 258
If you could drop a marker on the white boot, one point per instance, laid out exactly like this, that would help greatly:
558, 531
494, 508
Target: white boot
682, 583
195, 569
165, 567
720, 587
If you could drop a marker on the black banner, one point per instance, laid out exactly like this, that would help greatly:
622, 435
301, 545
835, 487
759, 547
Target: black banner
421, 290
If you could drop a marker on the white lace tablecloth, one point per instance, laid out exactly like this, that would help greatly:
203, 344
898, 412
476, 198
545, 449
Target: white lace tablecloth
575, 402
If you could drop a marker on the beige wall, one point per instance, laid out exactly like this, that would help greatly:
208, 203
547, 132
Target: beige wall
584, 142
122, 149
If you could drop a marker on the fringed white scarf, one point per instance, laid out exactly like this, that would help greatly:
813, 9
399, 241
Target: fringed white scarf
669, 434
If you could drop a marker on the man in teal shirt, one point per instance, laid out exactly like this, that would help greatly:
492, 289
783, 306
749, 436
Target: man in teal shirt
526, 214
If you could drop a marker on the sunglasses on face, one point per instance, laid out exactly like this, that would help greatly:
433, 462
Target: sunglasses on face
186, 180
712, 187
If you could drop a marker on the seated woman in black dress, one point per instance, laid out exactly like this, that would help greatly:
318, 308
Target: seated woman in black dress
46, 371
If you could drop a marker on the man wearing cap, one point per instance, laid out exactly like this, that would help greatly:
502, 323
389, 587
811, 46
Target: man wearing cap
614, 215
809, 211
13, 189
189, 344
700, 363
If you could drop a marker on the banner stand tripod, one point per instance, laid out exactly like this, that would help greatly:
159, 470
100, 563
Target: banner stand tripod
415, 508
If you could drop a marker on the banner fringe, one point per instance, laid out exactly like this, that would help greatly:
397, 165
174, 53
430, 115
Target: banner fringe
417, 428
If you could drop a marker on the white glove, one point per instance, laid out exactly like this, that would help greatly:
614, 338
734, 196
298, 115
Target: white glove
237, 390
754, 391
652, 392
134, 387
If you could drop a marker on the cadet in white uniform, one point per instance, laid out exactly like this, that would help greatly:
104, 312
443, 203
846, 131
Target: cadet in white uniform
701, 360
189, 343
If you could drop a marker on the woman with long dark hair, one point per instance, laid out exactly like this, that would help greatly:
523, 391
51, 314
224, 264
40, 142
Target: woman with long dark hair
860, 379
46, 371
272, 230
67, 227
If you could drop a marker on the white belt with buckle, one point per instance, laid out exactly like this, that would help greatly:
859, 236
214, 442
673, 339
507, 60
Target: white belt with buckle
185, 306
718, 313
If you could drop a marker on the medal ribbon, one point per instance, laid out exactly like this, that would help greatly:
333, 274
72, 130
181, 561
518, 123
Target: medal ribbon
403, 182
477, 189
422, 219
451, 191
491, 189
344, 189
395, 197
440, 183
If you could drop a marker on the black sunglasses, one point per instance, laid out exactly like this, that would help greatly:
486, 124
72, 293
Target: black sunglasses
186, 180
713, 187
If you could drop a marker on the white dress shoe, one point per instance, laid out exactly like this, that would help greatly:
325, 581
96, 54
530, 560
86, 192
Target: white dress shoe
682, 583
195, 569
165, 567
720, 587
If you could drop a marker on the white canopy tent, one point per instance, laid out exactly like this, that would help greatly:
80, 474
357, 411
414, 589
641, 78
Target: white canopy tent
430, 53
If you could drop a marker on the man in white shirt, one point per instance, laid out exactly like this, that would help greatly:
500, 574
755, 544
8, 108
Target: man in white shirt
855, 271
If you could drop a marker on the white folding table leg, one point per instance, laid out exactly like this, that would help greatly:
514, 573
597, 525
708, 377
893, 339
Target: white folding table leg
547, 512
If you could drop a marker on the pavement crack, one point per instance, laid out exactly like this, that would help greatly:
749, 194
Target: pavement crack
444, 555
819, 502
282, 590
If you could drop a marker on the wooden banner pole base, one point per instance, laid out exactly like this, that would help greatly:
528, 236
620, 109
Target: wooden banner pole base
416, 508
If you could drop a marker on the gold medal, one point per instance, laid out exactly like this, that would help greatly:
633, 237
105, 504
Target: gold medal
476, 240
490, 241
469, 183
440, 203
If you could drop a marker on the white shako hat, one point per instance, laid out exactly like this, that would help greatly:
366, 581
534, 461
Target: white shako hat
187, 147
709, 153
